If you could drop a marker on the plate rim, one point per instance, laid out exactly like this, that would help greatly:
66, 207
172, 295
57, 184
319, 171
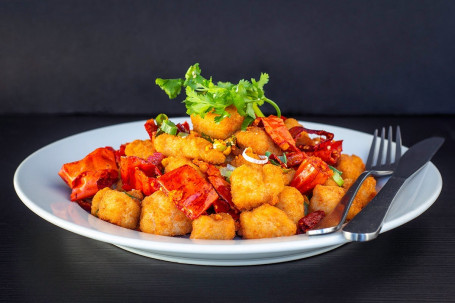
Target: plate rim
290, 244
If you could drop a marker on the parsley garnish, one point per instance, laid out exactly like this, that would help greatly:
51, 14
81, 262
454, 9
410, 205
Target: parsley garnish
203, 96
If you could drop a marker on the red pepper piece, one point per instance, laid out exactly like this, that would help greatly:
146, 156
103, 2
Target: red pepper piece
310, 221
94, 172
139, 174
191, 193
183, 127
151, 127
277, 131
295, 158
223, 188
156, 159
311, 172
120, 152
328, 150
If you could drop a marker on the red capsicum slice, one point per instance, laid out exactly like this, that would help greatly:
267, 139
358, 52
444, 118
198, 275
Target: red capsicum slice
278, 132
94, 172
139, 174
191, 192
311, 172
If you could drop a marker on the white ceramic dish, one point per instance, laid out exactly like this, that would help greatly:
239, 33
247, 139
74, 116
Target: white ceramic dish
41, 189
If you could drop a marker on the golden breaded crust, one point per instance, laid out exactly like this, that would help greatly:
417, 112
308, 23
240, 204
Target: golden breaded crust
304, 138
365, 194
116, 207
290, 200
192, 147
223, 130
140, 148
259, 141
325, 198
253, 186
219, 226
160, 216
171, 163
351, 166
266, 221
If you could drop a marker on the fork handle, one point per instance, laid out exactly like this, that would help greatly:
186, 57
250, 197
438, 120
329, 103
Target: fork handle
367, 224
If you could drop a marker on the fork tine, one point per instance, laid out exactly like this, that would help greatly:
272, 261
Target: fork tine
388, 160
398, 145
381, 148
370, 158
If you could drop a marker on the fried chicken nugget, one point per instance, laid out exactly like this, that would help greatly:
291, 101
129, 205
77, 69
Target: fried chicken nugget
350, 166
252, 186
116, 207
192, 147
219, 226
171, 163
266, 221
222, 130
326, 198
291, 202
140, 148
160, 216
259, 141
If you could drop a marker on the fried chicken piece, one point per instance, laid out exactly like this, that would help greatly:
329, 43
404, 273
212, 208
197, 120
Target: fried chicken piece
259, 141
222, 130
350, 166
266, 221
326, 198
291, 202
116, 207
252, 186
219, 226
192, 147
171, 163
140, 148
160, 216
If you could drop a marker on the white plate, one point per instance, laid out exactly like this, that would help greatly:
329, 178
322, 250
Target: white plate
41, 189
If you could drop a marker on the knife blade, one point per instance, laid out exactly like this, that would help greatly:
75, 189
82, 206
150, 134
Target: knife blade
366, 225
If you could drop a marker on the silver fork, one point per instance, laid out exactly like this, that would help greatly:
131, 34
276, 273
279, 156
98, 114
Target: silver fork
375, 166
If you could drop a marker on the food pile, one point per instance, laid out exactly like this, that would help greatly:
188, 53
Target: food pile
235, 173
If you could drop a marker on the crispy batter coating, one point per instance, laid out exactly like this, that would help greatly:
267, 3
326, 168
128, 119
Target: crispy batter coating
252, 186
140, 148
171, 163
116, 207
266, 221
291, 202
259, 141
288, 176
327, 197
219, 226
351, 166
223, 130
192, 147
304, 138
160, 216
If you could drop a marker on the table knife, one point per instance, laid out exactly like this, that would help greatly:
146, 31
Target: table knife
366, 225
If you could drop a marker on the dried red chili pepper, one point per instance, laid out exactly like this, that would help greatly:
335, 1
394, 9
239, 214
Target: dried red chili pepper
183, 127
137, 173
295, 158
156, 159
223, 188
309, 221
94, 172
191, 192
311, 172
328, 150
151, 127
278, 132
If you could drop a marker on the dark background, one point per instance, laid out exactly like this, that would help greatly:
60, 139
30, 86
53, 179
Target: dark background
323, 57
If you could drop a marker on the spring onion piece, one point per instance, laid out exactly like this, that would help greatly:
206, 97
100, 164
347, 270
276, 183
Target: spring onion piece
227, 171
264, 159
337, 176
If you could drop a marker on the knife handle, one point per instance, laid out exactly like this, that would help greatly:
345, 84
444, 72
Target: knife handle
365, 226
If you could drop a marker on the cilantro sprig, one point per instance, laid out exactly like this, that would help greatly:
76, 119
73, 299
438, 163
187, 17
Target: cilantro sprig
204, 96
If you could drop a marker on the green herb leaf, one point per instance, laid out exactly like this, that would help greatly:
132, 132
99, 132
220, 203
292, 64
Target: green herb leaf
172, 87
203, 96
168, 127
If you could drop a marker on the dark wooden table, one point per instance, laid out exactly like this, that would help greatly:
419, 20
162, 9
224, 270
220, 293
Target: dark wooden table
41, 262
